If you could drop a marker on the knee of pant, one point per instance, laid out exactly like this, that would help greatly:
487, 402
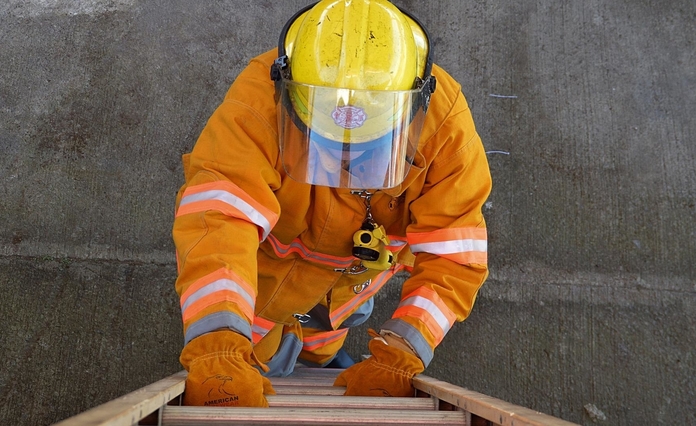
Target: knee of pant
283, 362
360, 315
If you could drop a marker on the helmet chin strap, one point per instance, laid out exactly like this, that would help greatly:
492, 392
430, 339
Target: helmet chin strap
333, 169
330, 163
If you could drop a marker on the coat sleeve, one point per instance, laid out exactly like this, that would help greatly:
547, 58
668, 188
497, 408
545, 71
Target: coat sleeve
447, 232
227, 207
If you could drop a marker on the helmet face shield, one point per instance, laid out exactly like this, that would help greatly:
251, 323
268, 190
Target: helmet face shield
346, 138
353, 82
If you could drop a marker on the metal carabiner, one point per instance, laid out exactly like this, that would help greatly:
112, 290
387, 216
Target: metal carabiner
359, 288
367, 196
353, 270
302, 318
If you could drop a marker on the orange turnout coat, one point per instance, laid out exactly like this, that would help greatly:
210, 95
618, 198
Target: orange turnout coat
270, 258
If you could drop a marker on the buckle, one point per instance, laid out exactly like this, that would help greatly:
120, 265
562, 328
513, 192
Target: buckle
353, 270
302, 318
359, 288
279, 66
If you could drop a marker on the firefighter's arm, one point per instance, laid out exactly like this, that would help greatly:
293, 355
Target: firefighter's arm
226, 207
449, 239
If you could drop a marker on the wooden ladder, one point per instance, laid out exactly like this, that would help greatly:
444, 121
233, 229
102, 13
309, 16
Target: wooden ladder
308, 397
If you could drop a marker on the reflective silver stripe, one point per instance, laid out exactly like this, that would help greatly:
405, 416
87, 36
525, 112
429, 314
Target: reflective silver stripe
431, 308
396, 243
412, 336
257, 329
226, 197
360, 315
219, 285
216, 321
296, 246
450, 247
329, 337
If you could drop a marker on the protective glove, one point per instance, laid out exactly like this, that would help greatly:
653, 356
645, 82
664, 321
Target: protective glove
220, 372
388, 372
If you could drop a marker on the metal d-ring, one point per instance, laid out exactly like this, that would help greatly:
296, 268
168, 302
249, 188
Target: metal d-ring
359, 288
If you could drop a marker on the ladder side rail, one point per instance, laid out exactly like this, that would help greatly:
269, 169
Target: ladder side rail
137, 405
492, 409
132, 407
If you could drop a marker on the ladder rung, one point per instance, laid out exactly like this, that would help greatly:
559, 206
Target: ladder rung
303, 381
186, 416
316, 390
307, 398
346, 402
316, 372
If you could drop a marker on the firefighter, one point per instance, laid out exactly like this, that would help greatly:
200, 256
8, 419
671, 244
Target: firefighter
335, 161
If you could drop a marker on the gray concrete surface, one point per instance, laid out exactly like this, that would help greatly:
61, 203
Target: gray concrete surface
589, 313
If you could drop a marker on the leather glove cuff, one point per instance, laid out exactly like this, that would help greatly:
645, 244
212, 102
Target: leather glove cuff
223, 343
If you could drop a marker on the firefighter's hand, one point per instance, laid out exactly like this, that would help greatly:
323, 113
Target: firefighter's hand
388, 372
220, 372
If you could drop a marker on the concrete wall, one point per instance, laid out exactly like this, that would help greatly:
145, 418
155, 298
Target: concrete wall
589, 312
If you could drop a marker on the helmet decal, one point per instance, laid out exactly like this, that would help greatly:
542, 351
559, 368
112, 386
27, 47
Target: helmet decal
349, 117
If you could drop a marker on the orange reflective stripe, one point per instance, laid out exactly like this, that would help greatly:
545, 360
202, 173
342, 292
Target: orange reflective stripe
228, 199
220, 274
473, 233
260, 328
215, 298
461, 245
296, 246
323, 339
426, 305
220, 286
425, 317
339, 314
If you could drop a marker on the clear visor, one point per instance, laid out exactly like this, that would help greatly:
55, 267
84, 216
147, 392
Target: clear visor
359, 139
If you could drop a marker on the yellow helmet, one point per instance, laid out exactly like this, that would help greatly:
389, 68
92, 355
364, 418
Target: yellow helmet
353, 84
356, 45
